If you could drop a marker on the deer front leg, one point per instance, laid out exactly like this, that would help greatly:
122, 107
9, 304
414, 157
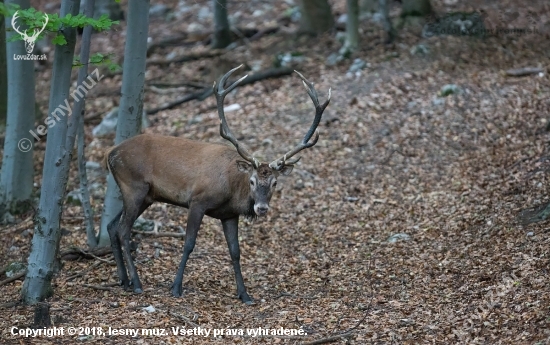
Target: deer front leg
231, 232
193, 224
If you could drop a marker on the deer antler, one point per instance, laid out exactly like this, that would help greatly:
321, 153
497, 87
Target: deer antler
37, 32
279, 163
16, 28
225, 132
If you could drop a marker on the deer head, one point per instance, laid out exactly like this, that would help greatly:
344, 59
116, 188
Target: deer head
29, 40
263, 176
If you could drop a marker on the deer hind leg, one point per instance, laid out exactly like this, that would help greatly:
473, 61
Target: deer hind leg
135, 202
112, 229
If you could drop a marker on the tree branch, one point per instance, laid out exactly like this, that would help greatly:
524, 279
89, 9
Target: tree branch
13, 278
207, 92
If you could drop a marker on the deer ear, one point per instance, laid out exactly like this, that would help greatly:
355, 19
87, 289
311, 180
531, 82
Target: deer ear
244, 167
286, 170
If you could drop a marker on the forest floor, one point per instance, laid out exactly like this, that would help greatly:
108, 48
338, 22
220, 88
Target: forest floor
402, 225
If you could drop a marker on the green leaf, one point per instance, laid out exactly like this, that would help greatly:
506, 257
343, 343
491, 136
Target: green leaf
59, 39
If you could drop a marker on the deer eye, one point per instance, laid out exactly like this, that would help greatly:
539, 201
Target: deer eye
274, 184
252, 183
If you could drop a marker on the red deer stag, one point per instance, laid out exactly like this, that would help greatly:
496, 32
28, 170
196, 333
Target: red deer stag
208, 179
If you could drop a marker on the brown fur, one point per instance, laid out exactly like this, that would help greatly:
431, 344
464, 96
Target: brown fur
264, 171
208, 179
180, 171
105, 160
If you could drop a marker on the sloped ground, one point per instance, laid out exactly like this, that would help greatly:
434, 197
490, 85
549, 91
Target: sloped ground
449, 174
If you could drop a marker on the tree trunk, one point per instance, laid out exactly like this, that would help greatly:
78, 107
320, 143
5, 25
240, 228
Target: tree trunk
45, 243
3, 73
79, 107
316, 17
386, 21
105, 7
222, 36
368, 6
352, 28
16, 177
131, 103
416, 8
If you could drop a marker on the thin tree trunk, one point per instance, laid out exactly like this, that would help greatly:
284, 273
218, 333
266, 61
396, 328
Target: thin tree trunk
43, 261
16, 178
222, 35
352, 28
316, 17
110, 8
386, 21
91, 237
416, 8
131, 103
79, 107
3, 72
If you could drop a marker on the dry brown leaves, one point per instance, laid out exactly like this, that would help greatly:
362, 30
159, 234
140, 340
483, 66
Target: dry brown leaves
452, 174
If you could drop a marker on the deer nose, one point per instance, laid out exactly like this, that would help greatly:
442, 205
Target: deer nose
261, 209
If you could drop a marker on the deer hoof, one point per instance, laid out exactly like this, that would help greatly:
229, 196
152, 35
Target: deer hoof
246, 299
125, 285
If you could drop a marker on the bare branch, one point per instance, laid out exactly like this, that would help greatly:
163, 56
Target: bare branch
159, 234
108, 287
13, 278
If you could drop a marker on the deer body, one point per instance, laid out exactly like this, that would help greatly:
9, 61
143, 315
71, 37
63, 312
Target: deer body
208, 179
179, 171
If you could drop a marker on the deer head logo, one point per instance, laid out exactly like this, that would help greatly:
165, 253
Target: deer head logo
29, 40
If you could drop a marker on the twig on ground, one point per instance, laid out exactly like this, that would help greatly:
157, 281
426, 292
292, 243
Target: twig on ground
196, 95
75, 253
21, 226
165, 91
159, 234
266, 31
186, 58
13, 278
180, 84
10, 304
106, 287
81, 273
179, 316
241, 36
521, 72
138, 307
94, 256
192, 38
166, 42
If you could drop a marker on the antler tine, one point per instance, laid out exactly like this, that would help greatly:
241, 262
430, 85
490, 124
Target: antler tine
37, 32
16, 28
319, 109
225, 132
224, 78
304, 144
